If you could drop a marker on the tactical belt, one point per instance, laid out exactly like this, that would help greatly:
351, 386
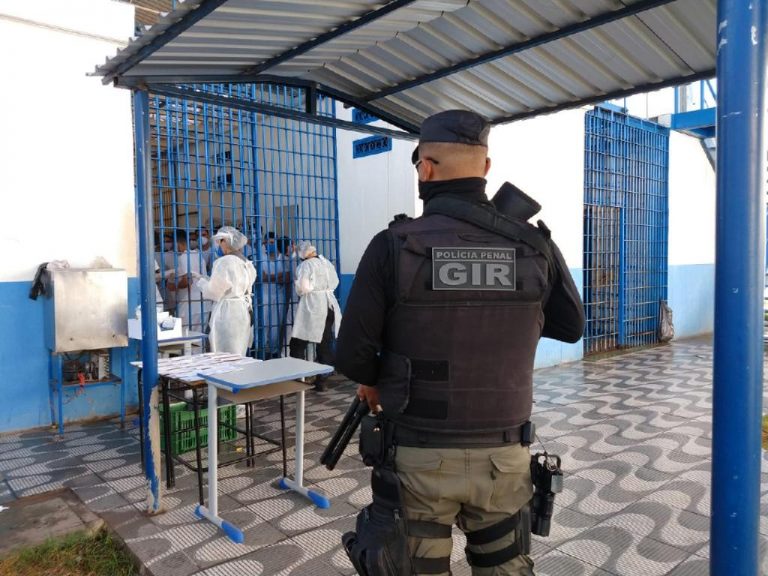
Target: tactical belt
419, 438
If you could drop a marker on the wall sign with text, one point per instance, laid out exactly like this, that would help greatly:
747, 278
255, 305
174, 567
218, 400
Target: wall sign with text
362, 117
370, 146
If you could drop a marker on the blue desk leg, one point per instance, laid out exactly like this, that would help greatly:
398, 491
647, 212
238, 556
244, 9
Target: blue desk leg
211, 513
297, 484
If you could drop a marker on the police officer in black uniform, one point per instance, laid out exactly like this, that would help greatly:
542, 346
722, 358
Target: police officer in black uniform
440, 331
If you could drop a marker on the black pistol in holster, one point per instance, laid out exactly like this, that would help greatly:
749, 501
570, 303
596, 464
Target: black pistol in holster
547, 477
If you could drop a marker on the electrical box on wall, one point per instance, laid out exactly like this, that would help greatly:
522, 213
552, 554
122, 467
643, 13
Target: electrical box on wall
86, 309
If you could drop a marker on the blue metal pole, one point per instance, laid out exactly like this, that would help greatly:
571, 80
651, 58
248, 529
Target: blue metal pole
739, 277
336, 225
150, 421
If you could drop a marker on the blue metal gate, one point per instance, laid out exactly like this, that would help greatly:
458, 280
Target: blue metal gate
273, 179
625, 229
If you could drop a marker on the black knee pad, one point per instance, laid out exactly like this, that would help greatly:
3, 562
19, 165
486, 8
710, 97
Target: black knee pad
379, 544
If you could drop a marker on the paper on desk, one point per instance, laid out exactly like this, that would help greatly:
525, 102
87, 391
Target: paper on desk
190, 367
245, 362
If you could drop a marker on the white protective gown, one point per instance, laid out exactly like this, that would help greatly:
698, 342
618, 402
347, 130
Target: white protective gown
230, 289
316, 279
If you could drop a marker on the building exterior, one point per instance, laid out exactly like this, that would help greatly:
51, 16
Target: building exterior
69, 193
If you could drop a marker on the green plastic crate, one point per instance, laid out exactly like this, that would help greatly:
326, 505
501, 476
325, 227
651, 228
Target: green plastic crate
183, 426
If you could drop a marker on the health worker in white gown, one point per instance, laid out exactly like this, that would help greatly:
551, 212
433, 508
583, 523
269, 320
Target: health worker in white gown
318, 315
229, 286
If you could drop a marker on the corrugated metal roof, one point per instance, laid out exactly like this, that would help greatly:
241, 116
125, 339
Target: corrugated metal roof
506, 59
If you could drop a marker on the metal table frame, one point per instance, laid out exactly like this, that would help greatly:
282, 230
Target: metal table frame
174, 388
57, 387
262, 375
170, 388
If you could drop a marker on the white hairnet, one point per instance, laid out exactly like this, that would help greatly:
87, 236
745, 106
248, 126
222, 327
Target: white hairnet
232, 235
306, 248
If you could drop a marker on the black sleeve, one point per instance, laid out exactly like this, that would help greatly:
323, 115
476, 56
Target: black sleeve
564, 311
361, 334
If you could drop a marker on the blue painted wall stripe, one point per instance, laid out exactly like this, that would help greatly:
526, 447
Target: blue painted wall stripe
24, 358
345, 285
24, 366
692, 299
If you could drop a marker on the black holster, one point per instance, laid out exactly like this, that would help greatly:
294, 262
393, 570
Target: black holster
377, 441
379, 544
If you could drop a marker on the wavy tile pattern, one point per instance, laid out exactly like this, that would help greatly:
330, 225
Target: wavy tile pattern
633, 430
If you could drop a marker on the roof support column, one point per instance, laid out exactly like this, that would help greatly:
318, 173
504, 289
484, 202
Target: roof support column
739, 279
149, 401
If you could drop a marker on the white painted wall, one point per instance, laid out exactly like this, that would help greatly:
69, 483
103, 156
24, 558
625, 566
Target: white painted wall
691, 203
544, 157
66, 144
371, 191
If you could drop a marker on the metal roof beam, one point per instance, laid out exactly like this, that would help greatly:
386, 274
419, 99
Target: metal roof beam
270, 110
141, 83
546, 38
366, 18
610, 96
186, 22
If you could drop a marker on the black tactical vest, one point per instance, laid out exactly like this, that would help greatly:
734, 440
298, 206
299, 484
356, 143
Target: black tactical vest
461, 339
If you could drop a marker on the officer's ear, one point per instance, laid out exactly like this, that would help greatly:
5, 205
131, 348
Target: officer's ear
487, 166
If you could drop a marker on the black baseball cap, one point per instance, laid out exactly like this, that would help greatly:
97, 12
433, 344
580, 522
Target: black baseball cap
454, 126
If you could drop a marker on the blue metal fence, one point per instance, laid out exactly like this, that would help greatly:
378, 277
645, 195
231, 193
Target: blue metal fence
272, 178
625, 229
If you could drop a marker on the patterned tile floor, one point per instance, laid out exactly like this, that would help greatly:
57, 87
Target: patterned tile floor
634, 432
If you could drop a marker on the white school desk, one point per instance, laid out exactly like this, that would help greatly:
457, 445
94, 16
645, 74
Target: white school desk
258, 381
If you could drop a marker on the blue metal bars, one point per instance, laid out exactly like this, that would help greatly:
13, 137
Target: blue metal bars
739, 278
625, 229
272, 178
